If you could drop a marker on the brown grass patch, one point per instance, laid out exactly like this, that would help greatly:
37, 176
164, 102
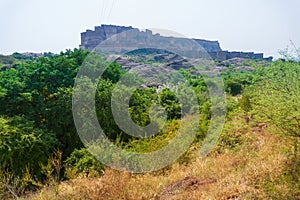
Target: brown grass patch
239, 174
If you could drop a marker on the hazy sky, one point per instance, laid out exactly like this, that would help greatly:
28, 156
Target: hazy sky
55, 25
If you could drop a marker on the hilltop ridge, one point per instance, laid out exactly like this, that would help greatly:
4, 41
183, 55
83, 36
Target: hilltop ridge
92, 38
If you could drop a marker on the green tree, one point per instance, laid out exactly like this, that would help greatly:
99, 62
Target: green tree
171, 104
40, 91
23, 147
277, 96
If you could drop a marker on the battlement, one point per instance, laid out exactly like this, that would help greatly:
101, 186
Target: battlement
91, 38
226, 55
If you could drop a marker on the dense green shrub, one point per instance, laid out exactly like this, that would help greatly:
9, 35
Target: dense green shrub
40, 90
171, 104
82, 162
276, 96
234, 88
23, 148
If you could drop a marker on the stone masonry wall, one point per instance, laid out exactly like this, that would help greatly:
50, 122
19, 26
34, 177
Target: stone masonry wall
91, 38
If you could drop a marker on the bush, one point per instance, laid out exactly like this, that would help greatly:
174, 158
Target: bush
82, 162
276, 97
23, 149
234, 88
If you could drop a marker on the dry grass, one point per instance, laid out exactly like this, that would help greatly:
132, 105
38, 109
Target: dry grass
239, 174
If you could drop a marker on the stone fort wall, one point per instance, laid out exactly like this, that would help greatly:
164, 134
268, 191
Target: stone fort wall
91, 38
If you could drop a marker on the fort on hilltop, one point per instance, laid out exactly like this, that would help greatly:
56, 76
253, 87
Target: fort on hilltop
91, 38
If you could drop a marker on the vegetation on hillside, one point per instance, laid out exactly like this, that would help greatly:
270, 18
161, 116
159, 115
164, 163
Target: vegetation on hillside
257, 155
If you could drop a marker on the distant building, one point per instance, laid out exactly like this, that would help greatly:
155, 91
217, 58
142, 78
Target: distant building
92, 38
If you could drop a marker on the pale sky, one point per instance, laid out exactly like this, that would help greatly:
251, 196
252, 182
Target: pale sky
263, 26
